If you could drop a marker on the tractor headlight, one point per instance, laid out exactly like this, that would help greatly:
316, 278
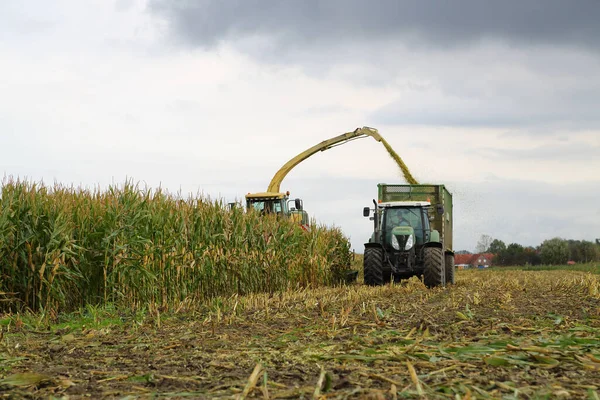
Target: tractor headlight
409, 243
395, 243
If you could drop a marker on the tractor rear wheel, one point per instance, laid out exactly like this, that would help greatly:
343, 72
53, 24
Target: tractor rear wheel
373, 266
433, 274
450, 280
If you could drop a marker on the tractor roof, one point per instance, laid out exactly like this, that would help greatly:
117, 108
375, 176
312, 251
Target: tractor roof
405, 204
266, 195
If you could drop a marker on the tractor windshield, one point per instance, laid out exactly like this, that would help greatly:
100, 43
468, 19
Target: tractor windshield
416, 217
268, 206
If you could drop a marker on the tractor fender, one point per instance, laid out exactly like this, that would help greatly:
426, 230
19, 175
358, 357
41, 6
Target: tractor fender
433, 244
371, 245
435, 236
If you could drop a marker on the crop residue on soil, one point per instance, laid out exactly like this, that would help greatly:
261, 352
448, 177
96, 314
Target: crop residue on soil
405, 171
493, 334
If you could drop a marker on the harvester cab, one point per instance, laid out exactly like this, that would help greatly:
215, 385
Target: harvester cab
278, 203
411, 235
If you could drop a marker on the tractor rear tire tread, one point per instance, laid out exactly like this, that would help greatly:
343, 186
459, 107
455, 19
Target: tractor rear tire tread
433, 274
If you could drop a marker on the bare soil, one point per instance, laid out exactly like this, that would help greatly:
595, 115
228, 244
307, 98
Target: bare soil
495, 334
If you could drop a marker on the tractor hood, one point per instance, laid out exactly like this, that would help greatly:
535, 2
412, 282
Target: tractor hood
402, 238
403, 231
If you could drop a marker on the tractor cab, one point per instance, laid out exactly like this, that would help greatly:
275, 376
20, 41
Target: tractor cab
278, 203
268, 203
405, 224
400, 225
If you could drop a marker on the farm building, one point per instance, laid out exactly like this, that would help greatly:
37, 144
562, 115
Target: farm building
482, 260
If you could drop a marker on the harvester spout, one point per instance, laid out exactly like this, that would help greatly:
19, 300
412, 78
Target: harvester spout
325, 145
365, 130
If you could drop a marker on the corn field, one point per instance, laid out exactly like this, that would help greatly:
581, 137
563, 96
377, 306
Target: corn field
62, 248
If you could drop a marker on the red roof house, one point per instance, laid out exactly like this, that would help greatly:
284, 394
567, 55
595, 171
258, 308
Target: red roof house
461, 259
482, 260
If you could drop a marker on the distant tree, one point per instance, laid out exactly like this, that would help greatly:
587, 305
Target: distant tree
512, 255
583, 251
532, 256
483, 244
575, 248
554, 251
496, 247
463, 252
589, 251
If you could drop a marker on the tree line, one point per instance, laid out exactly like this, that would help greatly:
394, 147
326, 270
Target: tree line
550, 252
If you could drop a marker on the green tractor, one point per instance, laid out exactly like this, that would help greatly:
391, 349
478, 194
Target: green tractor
412, 235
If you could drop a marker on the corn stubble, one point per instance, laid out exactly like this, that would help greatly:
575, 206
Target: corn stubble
62, 248
495, 334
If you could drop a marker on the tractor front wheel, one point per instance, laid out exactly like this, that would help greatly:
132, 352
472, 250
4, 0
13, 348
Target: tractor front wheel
433, 274
373, 266
450, 279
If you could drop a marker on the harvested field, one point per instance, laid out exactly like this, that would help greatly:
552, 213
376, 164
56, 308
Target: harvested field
495, 334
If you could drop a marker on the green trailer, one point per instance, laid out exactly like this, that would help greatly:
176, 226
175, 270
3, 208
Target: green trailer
412, 235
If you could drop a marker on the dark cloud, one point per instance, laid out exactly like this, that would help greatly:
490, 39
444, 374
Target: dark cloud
444, 23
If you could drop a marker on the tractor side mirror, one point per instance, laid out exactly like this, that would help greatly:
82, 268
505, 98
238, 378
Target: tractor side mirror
366, 212
298, 204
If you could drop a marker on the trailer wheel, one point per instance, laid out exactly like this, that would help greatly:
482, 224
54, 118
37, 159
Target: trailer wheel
433, 274
373, 266
450, 279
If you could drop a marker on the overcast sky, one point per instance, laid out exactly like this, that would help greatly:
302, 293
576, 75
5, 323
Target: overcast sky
499, 101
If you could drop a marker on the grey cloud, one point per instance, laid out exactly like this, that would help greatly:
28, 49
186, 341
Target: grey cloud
123, 5
452, 23
18, 21
564, 152
326, 110
525, 65
552, 107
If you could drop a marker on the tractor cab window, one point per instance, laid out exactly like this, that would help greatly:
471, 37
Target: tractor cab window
268, 206
416, 217
260, 206
256, 205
